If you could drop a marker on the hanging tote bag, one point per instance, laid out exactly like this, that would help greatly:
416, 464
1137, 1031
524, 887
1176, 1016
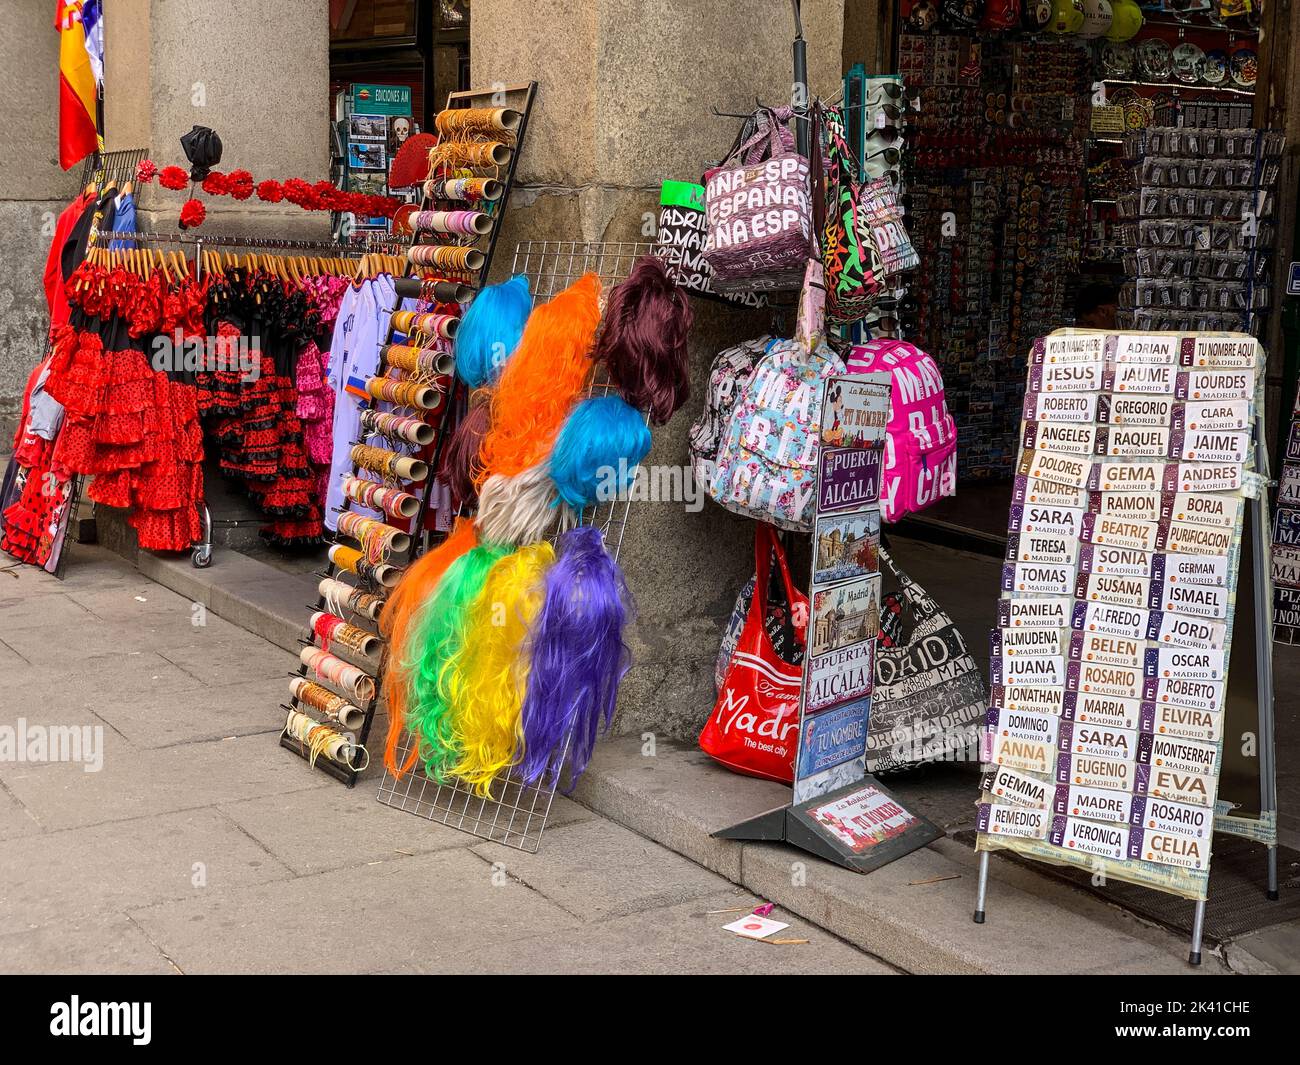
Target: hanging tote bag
767, 465
921, 437
853, 270
929, 702
778, 618
754, 727
758, 209
679, 241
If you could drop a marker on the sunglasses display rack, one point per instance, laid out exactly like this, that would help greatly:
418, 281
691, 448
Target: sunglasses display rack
995, 150
337, 689
876, 117
1198, 226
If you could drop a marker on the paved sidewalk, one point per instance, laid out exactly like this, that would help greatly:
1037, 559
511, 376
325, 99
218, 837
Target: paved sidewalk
201, 846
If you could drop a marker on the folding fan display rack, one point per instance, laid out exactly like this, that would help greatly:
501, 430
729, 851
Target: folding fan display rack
447, 287
517, 812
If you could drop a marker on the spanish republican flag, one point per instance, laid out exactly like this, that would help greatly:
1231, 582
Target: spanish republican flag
78, 134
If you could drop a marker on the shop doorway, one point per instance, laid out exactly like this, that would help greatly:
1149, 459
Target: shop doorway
1017, 158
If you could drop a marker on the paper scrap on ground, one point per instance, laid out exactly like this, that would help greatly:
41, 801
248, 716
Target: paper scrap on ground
754, 927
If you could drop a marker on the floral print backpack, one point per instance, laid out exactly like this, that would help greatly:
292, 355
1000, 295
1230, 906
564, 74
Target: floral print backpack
767, 464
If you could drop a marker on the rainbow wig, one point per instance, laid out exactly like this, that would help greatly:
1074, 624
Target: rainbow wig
541, 381
597, 451
643, 343
521, 509
578, 658
401, 608
488, 674
456, 468
439, 634
490, 331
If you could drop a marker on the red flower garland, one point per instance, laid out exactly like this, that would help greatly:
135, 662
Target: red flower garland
241, 185
145, 171
192, 214
174, 178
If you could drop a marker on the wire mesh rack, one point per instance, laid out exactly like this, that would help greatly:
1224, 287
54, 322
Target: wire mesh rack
517, 813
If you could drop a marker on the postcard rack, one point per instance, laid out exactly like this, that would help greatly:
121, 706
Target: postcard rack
445, 281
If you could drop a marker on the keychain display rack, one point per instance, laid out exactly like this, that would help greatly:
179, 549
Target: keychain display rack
1235, 814
430, 283
1200, 225
517, 814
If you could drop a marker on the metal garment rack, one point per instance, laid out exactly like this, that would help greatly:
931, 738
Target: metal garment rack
405, 288
201, 553
1266, 830
517, 815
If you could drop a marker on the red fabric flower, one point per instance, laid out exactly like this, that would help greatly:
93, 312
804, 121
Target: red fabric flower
173, 177
241, 184
145, 171
217, 184
298, 192
270, 191
193, 214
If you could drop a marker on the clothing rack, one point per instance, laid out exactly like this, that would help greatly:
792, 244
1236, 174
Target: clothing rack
411, 287
99, 166
201, 553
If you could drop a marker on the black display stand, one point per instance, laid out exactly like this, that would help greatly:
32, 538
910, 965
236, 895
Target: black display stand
522, 97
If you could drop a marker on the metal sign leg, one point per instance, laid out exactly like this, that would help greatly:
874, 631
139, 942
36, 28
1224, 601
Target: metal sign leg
1198, 926
983, 888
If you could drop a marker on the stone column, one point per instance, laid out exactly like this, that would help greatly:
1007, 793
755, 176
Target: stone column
257, 73
33, 190
625, 89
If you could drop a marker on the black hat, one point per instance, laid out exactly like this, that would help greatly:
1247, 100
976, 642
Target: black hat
203, 150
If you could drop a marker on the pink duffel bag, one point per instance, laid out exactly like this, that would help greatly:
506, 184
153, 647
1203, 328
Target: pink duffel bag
921, 438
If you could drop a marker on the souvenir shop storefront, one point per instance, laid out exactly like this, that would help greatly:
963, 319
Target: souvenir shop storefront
1036, 198
1020, 273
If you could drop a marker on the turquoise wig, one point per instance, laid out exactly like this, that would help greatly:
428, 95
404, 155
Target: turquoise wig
490, 331
597, 451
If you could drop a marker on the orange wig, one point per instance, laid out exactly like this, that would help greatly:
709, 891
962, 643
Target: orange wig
547, 373
396, 622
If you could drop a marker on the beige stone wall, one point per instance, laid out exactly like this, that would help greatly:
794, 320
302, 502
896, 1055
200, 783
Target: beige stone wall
33, 190
255, 72
623, 103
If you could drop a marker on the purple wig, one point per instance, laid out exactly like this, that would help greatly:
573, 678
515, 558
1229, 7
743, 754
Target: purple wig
578, 657
643, 342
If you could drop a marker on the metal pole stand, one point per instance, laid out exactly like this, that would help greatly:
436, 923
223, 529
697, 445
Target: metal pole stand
1198, 926
982, 890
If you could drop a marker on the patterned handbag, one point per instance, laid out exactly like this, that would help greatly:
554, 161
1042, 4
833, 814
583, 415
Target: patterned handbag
854, 273
865, 246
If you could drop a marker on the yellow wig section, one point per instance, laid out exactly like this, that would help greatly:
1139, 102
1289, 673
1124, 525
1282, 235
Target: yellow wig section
488, 677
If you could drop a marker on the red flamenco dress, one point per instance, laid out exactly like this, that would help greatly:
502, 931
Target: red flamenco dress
253, 414
131, 417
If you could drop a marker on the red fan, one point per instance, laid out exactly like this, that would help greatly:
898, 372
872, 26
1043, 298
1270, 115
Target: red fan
411, 163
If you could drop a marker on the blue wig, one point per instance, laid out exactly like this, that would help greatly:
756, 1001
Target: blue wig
490, 331
597, 450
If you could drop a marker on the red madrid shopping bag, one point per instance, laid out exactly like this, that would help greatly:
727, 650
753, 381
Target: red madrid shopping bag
754, 727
